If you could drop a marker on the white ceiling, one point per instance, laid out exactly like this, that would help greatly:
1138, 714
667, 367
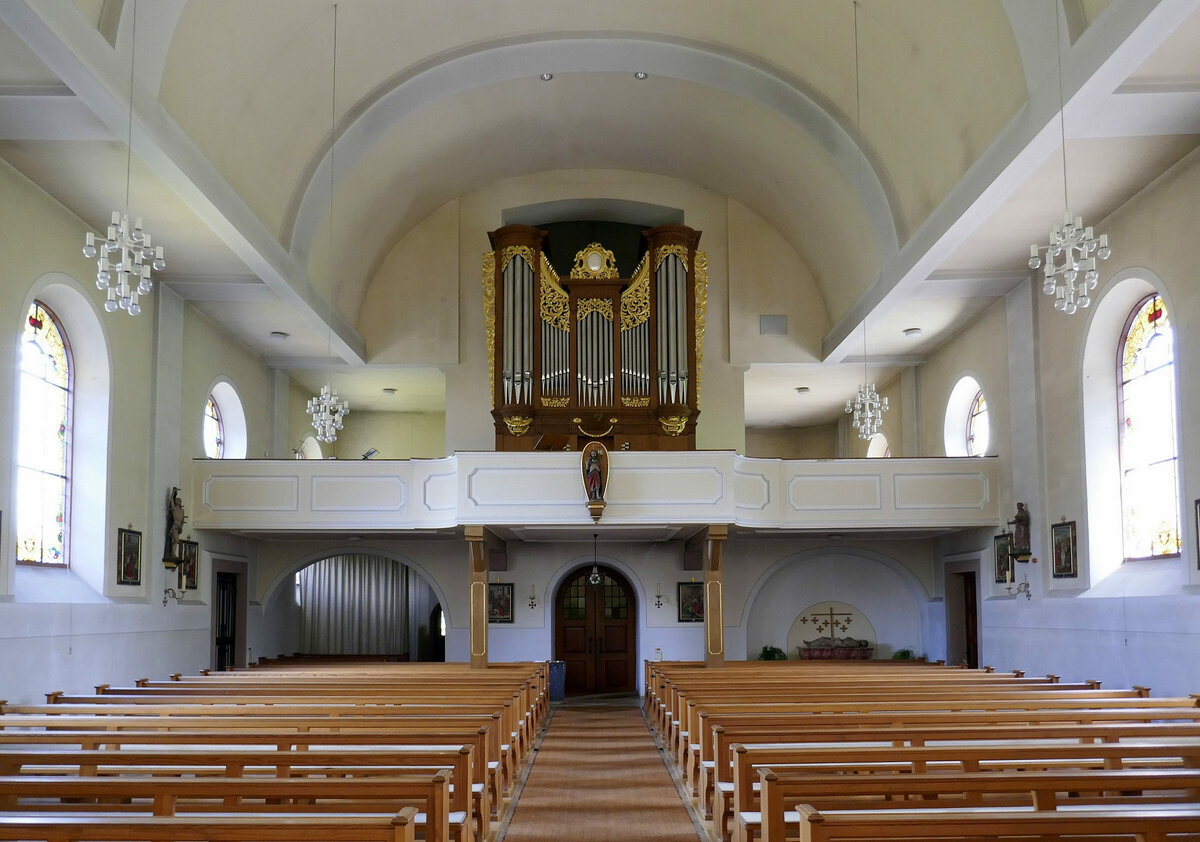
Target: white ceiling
755, 101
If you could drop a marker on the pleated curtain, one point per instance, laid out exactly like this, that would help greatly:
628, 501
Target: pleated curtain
355, 605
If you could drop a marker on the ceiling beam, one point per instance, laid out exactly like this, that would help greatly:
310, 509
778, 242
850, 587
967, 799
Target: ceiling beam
86, 63
1111, 49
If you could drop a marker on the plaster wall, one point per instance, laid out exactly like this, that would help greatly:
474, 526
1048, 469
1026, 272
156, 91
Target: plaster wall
792, 442
396, 435
1138, 623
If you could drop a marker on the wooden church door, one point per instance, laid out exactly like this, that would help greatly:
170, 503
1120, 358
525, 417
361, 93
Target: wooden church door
596, 632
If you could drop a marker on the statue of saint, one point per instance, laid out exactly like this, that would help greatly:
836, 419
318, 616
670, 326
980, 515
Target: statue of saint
593, 477
1020, 532
175, 519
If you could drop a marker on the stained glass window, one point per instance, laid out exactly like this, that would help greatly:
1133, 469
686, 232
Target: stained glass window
43, 440
213, 431
1149, 446
978, 430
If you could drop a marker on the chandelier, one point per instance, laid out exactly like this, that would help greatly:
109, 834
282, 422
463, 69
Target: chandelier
327, 412
1070, 262
128, 277
867, 408
326, 409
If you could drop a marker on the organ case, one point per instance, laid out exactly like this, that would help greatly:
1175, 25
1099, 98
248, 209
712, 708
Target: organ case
595, 357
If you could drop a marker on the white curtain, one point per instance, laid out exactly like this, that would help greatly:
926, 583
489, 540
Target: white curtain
355, 605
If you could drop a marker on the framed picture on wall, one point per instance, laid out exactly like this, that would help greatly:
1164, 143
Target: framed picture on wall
1062, 544
500, 602
129, 557
691, 602
1002, 544
189, 552
1197, 531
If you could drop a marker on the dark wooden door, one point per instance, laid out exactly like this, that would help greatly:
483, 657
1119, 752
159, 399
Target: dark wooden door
595, 632
970, 620
226, 625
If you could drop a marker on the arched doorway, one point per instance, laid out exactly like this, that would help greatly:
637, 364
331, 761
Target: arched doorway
595, 631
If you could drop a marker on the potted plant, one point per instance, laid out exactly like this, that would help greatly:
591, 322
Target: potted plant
772, 653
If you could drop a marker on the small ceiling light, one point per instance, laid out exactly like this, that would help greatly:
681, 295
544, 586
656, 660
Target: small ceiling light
802, 390
912, 331
546, 77
279, 335
640, 75
389, 390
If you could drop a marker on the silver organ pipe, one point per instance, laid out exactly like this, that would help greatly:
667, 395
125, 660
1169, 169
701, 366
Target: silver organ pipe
595, 342
517, 357
672, 299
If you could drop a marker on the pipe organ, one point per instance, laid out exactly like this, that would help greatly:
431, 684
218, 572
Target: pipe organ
595, 357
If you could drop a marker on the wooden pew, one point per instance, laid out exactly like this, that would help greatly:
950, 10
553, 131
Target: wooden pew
427, 792
1144, 825
1039, 790
933, 728
484, 807
254, 765
244, 828
331, 714
981, 755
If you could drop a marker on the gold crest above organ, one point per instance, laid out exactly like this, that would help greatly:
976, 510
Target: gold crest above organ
595, 357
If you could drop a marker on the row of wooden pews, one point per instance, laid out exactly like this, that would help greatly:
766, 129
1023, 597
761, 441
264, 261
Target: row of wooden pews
299, 749
826, 750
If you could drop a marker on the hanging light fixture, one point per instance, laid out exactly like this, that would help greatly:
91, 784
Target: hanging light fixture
327, 409
130, 275
867, 407
594, 577
1069, 272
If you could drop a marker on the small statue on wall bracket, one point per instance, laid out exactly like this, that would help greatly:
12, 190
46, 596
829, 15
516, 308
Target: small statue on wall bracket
173, 552
594, 465
1020, 532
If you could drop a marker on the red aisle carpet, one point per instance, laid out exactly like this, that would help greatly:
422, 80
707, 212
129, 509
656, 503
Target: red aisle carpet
599, 776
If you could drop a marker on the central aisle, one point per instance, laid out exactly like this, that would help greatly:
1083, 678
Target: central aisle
598, 776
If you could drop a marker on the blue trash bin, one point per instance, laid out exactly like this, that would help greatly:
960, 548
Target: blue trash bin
558, 680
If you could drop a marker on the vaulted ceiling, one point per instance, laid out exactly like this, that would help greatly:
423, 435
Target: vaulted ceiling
908, 151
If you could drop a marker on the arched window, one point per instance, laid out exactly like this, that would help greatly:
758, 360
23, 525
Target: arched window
1148, 443
977, 426
213, 431
966, 431
43, 492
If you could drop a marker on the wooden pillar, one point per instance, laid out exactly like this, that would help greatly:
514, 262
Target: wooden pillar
713, 539
479, 542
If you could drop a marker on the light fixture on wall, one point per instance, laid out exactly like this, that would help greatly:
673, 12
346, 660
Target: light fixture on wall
532, 597
866, 407
130, 276
326, 409
594, 577
658, 595
1069, 267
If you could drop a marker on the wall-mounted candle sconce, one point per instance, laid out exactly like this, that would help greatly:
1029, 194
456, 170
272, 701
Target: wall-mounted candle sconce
658, 595
532, 598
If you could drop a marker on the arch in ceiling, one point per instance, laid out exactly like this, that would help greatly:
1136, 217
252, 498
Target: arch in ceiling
444, 77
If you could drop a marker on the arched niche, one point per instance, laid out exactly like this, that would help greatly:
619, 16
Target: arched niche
878, 587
